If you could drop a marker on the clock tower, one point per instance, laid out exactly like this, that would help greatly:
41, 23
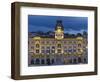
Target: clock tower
59, 30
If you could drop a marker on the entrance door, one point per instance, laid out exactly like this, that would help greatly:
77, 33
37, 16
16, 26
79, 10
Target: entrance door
48, 61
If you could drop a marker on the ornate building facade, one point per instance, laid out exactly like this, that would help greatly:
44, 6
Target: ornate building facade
58, 49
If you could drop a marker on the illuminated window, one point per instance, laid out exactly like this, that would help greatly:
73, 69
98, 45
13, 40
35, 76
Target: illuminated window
85, 60
70, 42
43, 47
37, 51
59, 45
52, 61
74, 46
47, 42
47, 51
70, 50
74, 61
65, 42
53, 47
32, 47
53, 42
37, 45
65, 47
43, 51
37, 61
79, 60
59, 50
32, 42
48, 47
70, 46
79, 50
74, 42
32, 61
65, 51
43, 42
53, 51
79, 45
42, 61
74, 50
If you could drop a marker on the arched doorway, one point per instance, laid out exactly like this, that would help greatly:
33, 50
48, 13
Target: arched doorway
75, 61
85, 61
52, 61
79, 60
37, 61
48, 61
42, 61
70, 61
32, 61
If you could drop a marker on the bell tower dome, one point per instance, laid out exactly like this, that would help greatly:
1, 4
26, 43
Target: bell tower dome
59, 30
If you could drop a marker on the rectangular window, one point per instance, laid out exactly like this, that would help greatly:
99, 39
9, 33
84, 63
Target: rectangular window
74, 46
37, 51
53, 51
43, 42
37, 45
47, 51
79, 50
59, 50
48, 47
43, 51
53, 47
79, 45
74, 50
43, 47
69, 50
65, 47
59, 45
32, 47
65, 42
65, 51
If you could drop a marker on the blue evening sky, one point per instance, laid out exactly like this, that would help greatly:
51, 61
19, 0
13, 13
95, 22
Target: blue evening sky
47, 23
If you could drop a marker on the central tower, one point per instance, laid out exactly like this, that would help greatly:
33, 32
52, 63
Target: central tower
59, 30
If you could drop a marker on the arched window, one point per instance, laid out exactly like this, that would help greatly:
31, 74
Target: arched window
59, 50
70, 50
74, 61
37, 45
42, 61
59, 45
32, 61
43, 51
37, 51
43, 47
37, 61
79, 45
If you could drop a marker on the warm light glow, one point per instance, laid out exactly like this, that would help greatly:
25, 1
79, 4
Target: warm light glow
79, 38
81, 50
37, 37
59, 31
